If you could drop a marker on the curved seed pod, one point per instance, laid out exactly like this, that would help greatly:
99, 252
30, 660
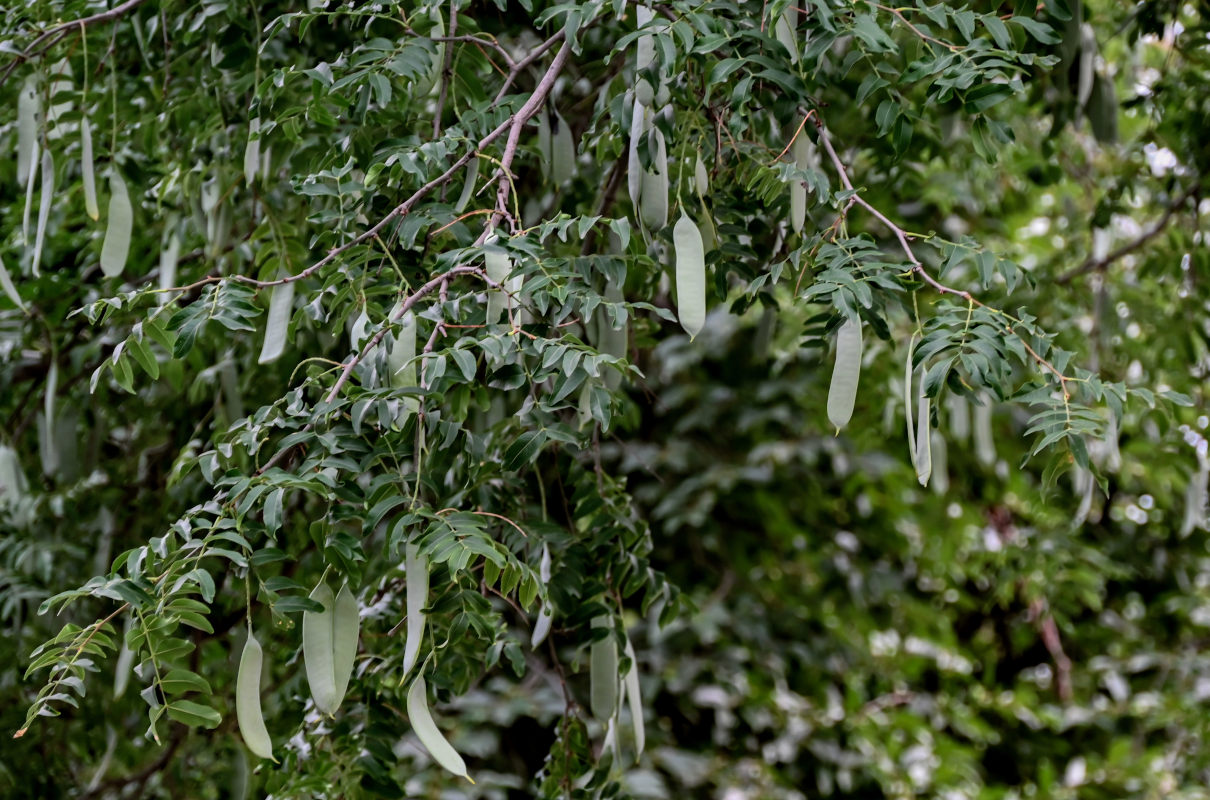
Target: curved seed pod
635, 701
1195, 499
252, 151
690, 275
247, 700
29, 193
1103, 110
1111, 455
417, 566
281, 307
6, 283
985, 445
653, 203
960, 417
584, 410
644, 55
639, 124
125, 660
562, 151
13, 484
87, 173
1083, 485
346, 628
429, 734
542, 626
701, 179
941, 478
169, 257
27, 128
402, 365
1088, 54
924, 448
603, 672
318, 651
498, 266
785, 30
118, 227
842, 392
44, 204
468, 185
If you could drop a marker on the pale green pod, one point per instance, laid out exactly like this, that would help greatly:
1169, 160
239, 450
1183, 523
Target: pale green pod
644, 55
10, 289
940, 452
169, 257
562, 151
468, 185
842, 392
318, 651
584, 409
701, 178
639, 124
924, 439
985, 445
87, 172
429, 734
27, 129
803, 151
252, 151
417, 566
653, 201
542, 626
48, 412
346, 629
118, 227
123, 664
603, 672
1088, 54
959, 417
281, 308
785, 30
401, 363
13, 484
498, 266
29, 194
1196, 493
690, 275
635, 701
247, 700
44, 205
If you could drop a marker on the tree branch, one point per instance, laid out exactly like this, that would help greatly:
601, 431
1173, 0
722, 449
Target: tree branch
52, 36
1100, 264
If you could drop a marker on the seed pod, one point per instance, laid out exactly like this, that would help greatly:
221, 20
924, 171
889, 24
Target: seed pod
6, 283
785, 30
498, 266
281, 307
842, 393
429, 734
13, 484
1195, 498
27, 129
402, 366
542, 626
701, 179
317, 633
959, 416
417, 566
562, 151
653, 203
59, 84
1103, 110
941, 478
468, 185
924, 449
690, 275
803, 150
907, 400
1088, 54
985, 445
29, 193
252, 151
644, 55
118, 227
87, 173
639, 124
247, 700
168, 261
346, 629
635, 701
603, 672
44, 203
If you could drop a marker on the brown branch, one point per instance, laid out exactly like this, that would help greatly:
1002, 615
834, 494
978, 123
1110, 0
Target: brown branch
49, 38
1049, 632
445, 75
1100, 264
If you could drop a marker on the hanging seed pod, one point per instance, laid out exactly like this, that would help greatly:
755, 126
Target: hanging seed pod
562, 151
653, 202
429, 734
10, 289
635, 701
346, 629
317, 637
803, 151
118, 227
542, 626
252, 152
27, 129
690, 275
401, 364
639, 125
985, 445
644, 55
924, 439
247, 701
417, 566
498, 266
87, 173
468, 185
281, 307
44, 204
603, 672
786, 31
842, 392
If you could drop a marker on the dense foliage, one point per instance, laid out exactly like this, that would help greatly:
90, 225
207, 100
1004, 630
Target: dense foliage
814, 390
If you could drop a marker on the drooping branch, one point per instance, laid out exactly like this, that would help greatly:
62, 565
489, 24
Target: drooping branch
52, 36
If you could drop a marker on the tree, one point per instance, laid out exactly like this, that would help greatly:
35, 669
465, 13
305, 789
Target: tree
785, 385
